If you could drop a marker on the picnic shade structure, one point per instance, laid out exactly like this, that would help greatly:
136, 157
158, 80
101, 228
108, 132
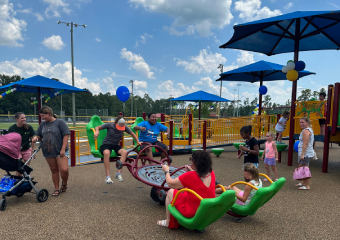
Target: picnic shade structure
41, 85
258, 72
200, 96
292, 32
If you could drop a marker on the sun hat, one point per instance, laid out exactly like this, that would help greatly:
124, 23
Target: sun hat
121, 124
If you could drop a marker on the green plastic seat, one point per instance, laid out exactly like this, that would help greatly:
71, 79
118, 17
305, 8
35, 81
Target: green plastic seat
281, 147
217, 151
261, 196
95, 150
209, 211
237, 144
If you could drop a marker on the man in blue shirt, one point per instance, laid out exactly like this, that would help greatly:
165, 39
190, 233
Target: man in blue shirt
149, 131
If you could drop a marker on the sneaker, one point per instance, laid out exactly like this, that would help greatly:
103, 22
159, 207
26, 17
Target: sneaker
265, 180
119, 177
108, 180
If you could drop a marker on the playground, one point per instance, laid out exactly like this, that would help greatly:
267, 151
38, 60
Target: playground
93, 210
279, 210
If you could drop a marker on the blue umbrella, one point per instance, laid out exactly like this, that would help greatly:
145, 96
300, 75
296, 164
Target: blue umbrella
200, 96
258, 72
292, 32
41, 85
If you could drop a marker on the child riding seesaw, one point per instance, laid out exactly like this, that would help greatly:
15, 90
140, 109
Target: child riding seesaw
115, 132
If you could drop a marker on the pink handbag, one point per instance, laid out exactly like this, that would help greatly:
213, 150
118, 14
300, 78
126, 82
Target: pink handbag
302, 173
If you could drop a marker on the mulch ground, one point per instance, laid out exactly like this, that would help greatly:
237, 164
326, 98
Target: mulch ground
92, 209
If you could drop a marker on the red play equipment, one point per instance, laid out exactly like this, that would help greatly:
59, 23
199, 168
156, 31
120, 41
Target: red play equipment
151, 173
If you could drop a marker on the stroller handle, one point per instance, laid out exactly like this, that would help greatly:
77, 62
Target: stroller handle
29, 141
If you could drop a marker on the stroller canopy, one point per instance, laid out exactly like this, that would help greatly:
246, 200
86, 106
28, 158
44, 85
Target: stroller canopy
10, 144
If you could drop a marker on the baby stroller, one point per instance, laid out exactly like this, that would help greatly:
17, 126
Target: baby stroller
16, 185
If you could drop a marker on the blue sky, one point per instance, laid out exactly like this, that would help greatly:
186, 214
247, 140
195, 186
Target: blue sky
169, 47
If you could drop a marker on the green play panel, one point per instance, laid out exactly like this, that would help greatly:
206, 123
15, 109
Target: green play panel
197, 149
237, 144
281, 147
217, 151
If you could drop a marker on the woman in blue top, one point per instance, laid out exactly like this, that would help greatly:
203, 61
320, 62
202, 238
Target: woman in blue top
149, 131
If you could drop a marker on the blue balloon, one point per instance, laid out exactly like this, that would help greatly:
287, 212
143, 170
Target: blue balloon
296, 146
123, 93
263, 90
299, 66
252, 112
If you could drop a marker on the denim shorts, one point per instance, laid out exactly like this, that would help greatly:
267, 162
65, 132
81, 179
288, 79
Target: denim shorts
306, 162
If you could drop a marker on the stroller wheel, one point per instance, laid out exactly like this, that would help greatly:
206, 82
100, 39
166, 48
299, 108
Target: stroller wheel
3, 204
42, 195
20, 194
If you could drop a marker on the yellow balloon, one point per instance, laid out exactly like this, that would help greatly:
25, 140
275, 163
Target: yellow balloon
292, 75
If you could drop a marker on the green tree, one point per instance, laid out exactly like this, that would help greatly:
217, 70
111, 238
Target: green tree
305, 95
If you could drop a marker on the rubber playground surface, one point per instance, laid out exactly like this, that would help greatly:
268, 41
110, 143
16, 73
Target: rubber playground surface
92, 209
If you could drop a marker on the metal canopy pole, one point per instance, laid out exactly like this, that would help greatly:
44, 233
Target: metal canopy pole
294, 88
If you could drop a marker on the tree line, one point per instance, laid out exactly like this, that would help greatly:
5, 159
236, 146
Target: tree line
21, 102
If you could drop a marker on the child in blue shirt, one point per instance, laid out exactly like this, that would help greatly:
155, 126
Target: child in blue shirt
149, 131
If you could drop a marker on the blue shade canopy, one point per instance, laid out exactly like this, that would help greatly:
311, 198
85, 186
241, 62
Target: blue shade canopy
316, 30
46, 85
200, 96
254, 72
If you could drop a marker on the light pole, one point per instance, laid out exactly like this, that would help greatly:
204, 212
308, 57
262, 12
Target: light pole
73, 94
234, 101
219, 104
238, 98
131, 81
33, 99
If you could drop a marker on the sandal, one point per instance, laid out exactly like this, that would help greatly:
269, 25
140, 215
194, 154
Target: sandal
303, 188
63, 187
162, 223
299, 185
56, 193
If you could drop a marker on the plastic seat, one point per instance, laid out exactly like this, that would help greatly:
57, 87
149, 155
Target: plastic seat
209, 211
95, 144
262, 196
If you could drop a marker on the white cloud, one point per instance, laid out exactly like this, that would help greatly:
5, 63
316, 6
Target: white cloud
62, 71
109, 86
54, 42
19, 5
251, 10
206, 62
333, 5
27, 10
138, 63
39, 16
53, 9
289, 5
167, 88
143, 38
97, 39
190, 16
10, 27
140, 84
244, 58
